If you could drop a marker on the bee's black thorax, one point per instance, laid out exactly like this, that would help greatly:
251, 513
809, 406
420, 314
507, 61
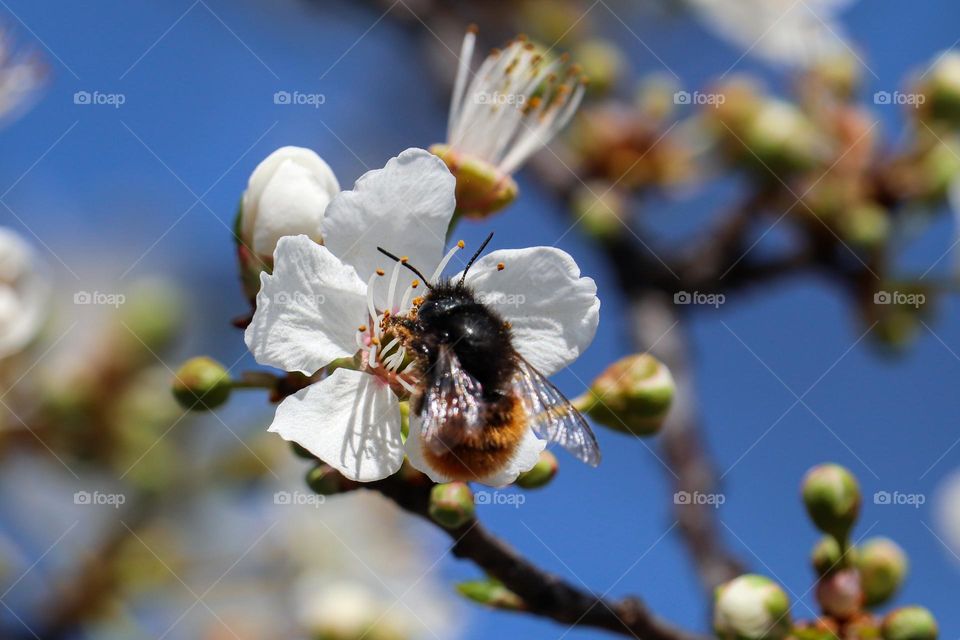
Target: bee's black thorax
452, 315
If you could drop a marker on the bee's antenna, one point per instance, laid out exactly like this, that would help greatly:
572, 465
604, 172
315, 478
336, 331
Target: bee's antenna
475, 256
404, 262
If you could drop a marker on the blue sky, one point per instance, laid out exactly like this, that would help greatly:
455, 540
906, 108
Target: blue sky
152, 186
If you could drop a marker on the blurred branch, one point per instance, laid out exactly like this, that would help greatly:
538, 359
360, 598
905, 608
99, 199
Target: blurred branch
542, 593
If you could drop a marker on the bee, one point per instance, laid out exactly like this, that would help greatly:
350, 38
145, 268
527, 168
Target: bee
477, 395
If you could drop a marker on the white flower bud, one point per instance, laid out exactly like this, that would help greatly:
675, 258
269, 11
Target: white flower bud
24, 290
287, 195
751, 607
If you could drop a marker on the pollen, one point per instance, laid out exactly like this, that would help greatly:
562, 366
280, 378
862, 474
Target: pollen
381, 272
501, 266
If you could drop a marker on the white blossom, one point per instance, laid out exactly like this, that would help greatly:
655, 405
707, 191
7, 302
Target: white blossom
24, 293
323, 303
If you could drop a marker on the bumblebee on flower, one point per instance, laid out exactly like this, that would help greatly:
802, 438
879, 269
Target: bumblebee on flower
417, 338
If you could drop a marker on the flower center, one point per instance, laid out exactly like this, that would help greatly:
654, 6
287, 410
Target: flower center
383, 344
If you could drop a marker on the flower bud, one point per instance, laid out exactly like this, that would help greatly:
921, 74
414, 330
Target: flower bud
941, 89
883, 567
541, 473
866, 225
909, 623
600, 61
491, 593
451, 504
633, 395
781, 138
201, 384
832, 498
327, 481
287, 195
481, 188
840, 594
599, 208
751, 607
826, 556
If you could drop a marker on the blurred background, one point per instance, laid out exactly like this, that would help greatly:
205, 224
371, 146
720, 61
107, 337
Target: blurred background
133, 194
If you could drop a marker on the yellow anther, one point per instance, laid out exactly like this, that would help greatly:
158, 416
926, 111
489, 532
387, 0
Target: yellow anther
501, 266
461, 244
404, 259
362, 328
380, 272
414, 284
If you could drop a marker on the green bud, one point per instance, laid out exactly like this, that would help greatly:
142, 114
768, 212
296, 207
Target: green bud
751, 607
866, 225
780, 138
153, 312
201, 384
826, 556
840, 594
481, 188
541, 474
451, 504
600, 61
327, 481
909, 623
599, 209
491, 593
883, 567
633, 395
941, 89
832, 497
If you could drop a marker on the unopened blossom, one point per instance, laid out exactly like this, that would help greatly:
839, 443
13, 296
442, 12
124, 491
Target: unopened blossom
783, 32
512, 106
24, 289
287, 195
326, 303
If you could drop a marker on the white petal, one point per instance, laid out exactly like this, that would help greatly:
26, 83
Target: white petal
406, 208
308, 311
350, 420
554, 312
287, 195
523, 459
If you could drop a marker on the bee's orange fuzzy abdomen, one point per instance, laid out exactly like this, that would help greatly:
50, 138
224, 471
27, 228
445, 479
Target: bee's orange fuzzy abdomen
476, 458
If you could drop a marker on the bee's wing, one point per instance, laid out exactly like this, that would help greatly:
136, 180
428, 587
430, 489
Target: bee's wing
551, 415
452, 402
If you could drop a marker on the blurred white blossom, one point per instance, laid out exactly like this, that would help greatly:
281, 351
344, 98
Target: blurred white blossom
787, 32
24, 293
